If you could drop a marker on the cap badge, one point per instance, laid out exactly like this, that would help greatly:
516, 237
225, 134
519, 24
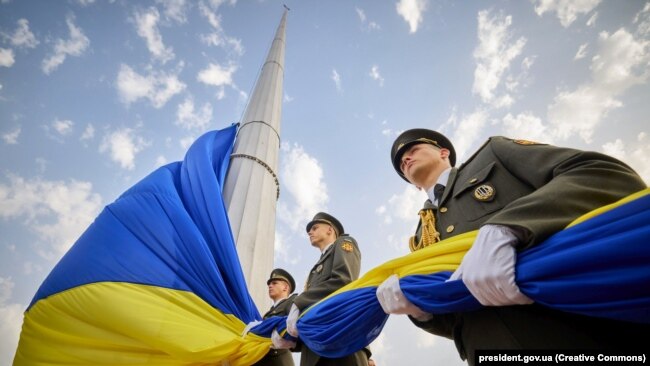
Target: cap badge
525, 142
347, 246
484, 192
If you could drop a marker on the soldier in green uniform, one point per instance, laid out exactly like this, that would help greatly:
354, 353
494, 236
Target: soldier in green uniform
516, 193
339, 264
281, 286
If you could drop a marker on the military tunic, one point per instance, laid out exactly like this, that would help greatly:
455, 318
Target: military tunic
339, 265
278, 357
536, 189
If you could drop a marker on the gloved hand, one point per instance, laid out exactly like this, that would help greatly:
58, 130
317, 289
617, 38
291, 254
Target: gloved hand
292, 319
392, 300
488, 268
281, 343
250, 326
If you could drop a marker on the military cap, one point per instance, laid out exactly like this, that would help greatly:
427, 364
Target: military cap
281, 274
326, 219
419, 136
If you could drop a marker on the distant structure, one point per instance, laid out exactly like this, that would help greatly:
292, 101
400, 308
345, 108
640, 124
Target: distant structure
252, 187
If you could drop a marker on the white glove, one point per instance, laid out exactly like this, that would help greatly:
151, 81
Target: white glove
392, 300
250, 326
281, 343
292, 319
488, 268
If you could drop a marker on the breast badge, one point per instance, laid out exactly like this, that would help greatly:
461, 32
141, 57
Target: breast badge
319, 268
484, 192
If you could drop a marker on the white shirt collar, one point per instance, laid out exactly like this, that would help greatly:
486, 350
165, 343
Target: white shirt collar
279, 301
442, 179
326, 247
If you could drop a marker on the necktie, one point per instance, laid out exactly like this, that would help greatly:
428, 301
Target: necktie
438, 190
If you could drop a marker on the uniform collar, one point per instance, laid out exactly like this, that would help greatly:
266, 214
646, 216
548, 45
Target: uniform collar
322, 252
279, 301
442, 179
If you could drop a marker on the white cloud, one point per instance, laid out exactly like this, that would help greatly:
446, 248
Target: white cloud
567, 10
56, 211
361, 14
582, 51
580, 111
88, 133
374, 73
85, 2
158, 87
175, 10
642, 19
526, 126
22, 36
160, 161
493, 55
217, 75
122, 146
464, 133
621, 62
337, 80
592, 20
188, 118
63, 127
74, 46
186, 142
11, 319
303, 179
403, 206
147, 26
283, 252
411, 11
369, 26
11, 138
218, 37
633, 153
7, 57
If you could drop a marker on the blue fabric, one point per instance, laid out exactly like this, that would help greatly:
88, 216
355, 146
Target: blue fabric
169, 230
598, 268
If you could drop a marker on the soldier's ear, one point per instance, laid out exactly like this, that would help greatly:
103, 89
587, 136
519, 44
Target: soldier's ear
444, 153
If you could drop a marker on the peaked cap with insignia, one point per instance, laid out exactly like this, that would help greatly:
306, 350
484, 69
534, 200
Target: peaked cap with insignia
414, 136
326, 219
281, 274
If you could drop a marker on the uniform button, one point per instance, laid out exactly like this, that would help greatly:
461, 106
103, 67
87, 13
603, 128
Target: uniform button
443, 209
473, 180
450, 228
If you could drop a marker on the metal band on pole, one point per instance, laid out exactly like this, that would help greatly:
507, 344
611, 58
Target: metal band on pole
265, 165
264, 123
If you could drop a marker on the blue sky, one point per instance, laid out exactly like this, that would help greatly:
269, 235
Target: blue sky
94, 95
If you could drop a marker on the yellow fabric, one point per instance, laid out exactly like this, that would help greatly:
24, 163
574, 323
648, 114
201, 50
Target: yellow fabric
606, 208
445, 255
130, 324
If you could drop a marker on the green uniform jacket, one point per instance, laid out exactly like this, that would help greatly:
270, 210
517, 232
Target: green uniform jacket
537, 189
338, 266
278, 357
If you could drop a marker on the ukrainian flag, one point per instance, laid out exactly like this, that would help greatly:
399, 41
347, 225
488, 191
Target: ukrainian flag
156, 278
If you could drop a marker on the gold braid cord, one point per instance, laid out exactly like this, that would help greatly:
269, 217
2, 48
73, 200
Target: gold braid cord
429, 234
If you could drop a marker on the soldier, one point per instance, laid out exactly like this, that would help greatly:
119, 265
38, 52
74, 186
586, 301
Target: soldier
339, 264
516, 193
281, 285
